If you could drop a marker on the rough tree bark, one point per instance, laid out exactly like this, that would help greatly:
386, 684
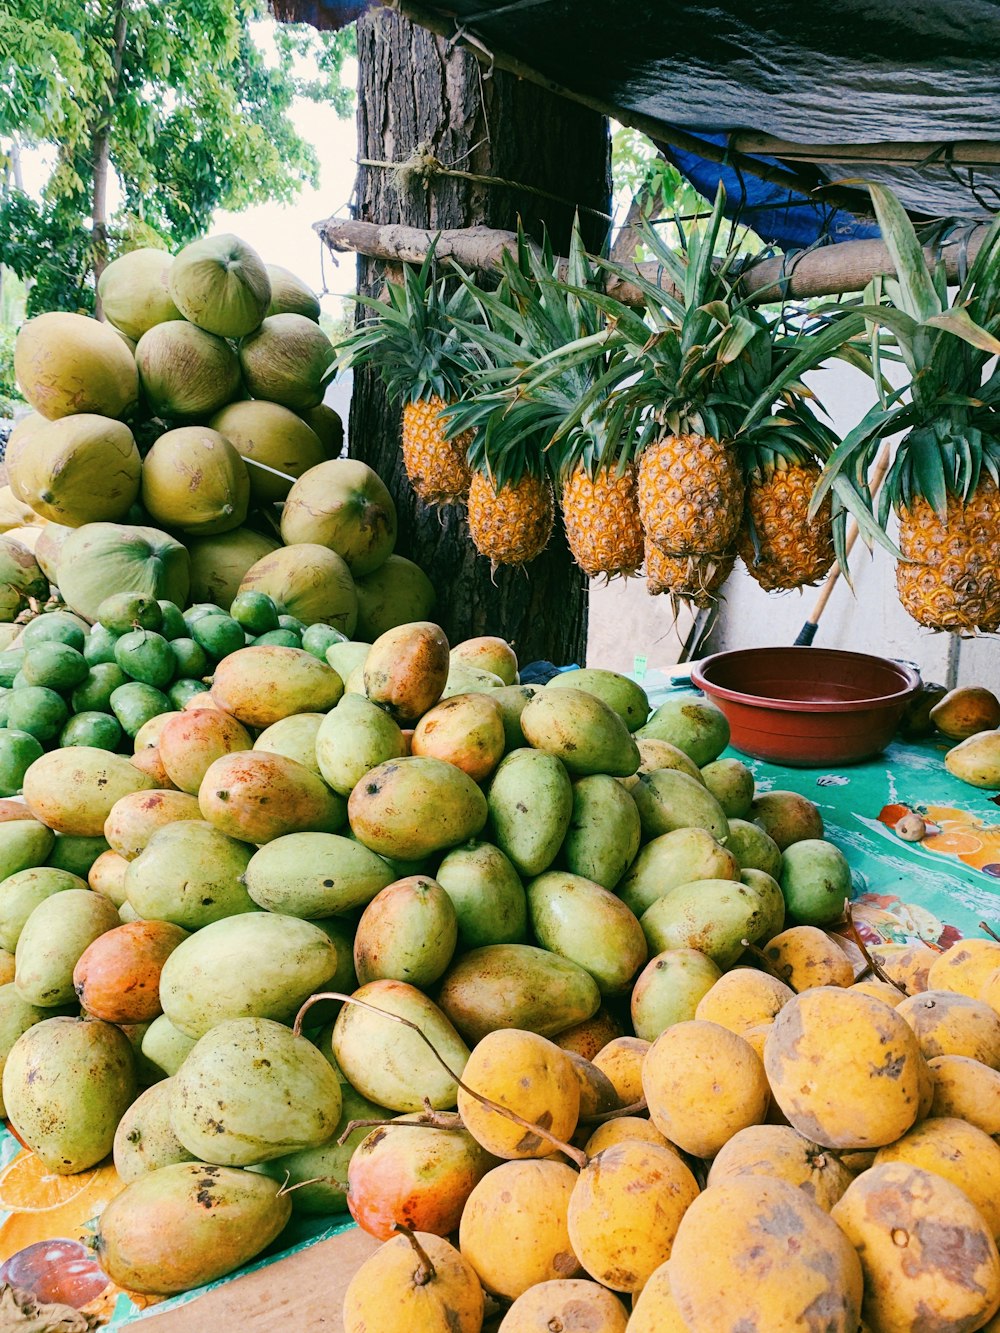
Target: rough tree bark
413, 91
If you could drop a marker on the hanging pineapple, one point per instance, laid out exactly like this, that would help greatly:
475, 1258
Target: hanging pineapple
424, 361
943, 482
526, 411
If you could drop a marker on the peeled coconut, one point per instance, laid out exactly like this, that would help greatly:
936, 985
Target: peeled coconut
397, 593
221, 284
81, 469
48, 548
290, 295
194, 480
219, 563
286, 361
24, 431
134, 291
307, 581
14, 513
269, 434
66, 363
328, 426
21, 578
345, 505
185, 371
114, 557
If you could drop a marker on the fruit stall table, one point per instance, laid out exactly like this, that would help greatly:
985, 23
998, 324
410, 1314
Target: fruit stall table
933, 891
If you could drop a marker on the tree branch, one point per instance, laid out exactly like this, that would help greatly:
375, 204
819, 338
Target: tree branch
101, 149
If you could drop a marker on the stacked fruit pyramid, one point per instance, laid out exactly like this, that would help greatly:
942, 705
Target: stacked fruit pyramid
682, 436
525, 974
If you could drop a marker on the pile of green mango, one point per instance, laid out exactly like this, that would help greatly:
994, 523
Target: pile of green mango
310, 841
65, 683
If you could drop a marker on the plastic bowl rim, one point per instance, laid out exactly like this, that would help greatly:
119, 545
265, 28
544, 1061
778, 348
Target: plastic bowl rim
750, 700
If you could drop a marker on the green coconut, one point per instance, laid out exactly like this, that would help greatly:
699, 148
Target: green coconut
81, 469
219, 563
286, 361
185, 371
48, 547
309, 582
104, 557
134, 291
397, 593
220, 283
345, 505
273, 436
328, 426
194, 480
21, 579
66, 363
290, 295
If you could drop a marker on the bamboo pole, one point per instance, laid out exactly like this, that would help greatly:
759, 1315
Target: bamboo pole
847, 267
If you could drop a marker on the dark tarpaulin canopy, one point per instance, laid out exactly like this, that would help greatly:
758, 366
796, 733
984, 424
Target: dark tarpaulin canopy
864, 76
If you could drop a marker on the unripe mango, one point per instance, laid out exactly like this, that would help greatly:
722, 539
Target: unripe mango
261, 685
621, 694
665, 863
54, 936
604, 832
516, 986
354, 738
530, 809
581, 730
314, 875
668, 990
487, 895
711, 915
410, 807
295, 738
668, 799
693, 725
144, 1140
73, 790
578, 919
21, 893
190, 874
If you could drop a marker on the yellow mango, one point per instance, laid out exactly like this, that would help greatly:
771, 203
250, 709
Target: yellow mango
783, 1153
947, 1023
529, 1075
742, 999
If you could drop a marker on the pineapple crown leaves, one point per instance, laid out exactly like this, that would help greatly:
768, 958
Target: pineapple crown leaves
413, 337
951, 419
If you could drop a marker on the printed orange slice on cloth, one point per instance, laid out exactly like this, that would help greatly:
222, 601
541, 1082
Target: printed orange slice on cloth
45, 1206
28, 1186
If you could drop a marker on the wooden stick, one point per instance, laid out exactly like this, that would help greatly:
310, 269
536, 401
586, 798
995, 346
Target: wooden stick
808, 631
960, 153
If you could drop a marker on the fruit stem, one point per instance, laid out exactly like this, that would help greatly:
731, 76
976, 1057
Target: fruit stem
447, 1120
573, 1153
854, 934
770, 967
992, 933
636, 1108
426, 1271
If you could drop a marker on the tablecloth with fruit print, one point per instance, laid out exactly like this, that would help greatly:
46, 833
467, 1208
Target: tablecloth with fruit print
935, 891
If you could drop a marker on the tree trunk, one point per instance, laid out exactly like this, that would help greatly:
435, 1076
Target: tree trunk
101, 152
413, 91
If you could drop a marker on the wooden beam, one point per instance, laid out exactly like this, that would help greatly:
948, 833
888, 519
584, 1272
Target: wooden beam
659, 131
828, 271
961, 153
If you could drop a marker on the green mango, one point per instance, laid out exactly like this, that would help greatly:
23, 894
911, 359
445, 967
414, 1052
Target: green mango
94, 693
732, 785
10, 665
56, 666
251, 1090
487, 894
21, 893
173, 626
99, 650
815, 881
125, 611
675, 858
346, 657
668, 799
135, 703
711, 915
24, 843
628, 699
147, 657
55, 627
579, 920
315, 875
581, 730
166, 1046
463, 678
67, 1082
52, 940
354, 738
604, 832
16, 1016
693, 725
317, 638
516, 986
753, 848
278, 638
76, 854
144, 1140
38, 710
530, 802
18, 751
294, 737
191, 874
407, 932
668, 989
772, 900
96, 730
255, 611
219, 635
260, 965
512, 701
187, 1224
73, 790
410, 807
183, 690
318, 1176
190, 659
388, 1062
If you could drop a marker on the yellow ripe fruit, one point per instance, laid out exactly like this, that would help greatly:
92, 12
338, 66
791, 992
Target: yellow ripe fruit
601, 517
625, 1209
958, 1151
947, 1023
654, 1310
530, 1075
743, 998
880, 990
572, 1305
391, 1291
624, 1128
703, 1084
964, 967
965, 1088
435, 466
513, 525
805, 956
621, 1059
783, 1153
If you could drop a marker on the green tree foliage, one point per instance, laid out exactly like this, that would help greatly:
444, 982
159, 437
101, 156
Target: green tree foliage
185, 104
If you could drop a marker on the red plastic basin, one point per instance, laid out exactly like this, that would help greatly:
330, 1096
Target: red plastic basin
807, 706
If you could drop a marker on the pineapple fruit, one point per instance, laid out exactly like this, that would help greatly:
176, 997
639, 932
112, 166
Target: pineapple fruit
697, 579
436, 466
950, 579
601, 518
510, 524
792, 550
690, 494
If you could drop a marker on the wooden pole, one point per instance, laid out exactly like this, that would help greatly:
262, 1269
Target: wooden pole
828, 271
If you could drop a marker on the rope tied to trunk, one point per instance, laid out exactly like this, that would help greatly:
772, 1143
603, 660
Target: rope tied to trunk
423, 167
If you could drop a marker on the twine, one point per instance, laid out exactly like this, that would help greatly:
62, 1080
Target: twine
424, 167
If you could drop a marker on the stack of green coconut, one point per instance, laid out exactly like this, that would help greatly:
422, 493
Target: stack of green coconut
176, 450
